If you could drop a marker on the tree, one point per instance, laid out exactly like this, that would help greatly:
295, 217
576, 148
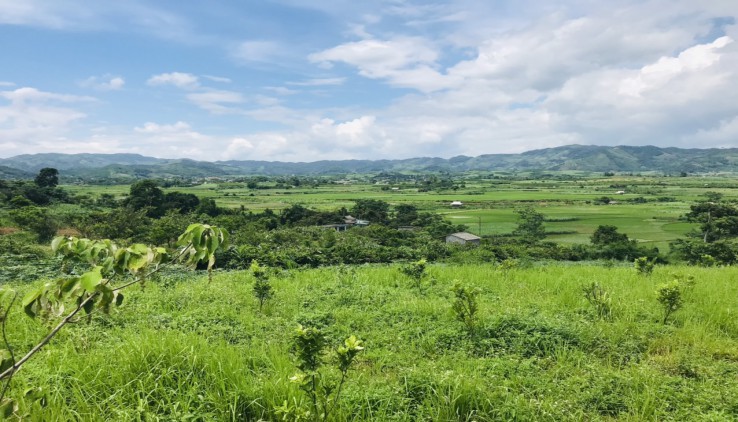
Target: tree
530, 225
145, 194
35, 219
405, 214
374, 210
718, 220
182, 202
47, 178
607, 235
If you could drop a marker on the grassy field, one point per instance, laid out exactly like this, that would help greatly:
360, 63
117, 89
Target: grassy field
490, 203
186, 350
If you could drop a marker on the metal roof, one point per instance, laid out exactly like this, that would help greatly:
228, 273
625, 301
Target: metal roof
465, 236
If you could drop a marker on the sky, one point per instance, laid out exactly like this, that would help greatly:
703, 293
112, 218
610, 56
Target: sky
307, 80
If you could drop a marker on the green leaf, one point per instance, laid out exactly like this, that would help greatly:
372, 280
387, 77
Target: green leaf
89, 306
29, 300
136, 262
91, 279
6, 360
139, 249
7, 408
6, 294
69, 284
197, 237
56, 243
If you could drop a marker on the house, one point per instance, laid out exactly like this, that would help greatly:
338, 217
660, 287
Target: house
463, 238
348, 222
457, 204
336, 227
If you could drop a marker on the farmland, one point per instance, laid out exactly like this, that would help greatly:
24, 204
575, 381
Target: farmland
490, 203
558, 329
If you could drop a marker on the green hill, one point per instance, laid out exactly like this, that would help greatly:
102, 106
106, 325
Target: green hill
590, 158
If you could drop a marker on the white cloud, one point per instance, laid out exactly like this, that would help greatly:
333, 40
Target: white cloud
216, 101
280, 90
220, 79
6, 84
35, 119
659, 74
475, 78
178, 79
258, 51
319, 82
73, 15
403, 61
28, 94
151, 127
103, 83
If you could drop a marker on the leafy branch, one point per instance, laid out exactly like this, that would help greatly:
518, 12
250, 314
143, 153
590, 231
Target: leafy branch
94, 291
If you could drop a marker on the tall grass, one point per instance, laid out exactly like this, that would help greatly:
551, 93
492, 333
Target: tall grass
186, 350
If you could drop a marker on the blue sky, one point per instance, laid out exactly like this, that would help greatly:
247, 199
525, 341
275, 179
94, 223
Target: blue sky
294, 80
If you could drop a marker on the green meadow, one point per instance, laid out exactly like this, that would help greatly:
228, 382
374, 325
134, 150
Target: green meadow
649, 210
183, 349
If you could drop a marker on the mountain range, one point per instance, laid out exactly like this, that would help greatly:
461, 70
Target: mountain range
591, 158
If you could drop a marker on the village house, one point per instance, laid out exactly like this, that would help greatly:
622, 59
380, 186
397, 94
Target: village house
463, 238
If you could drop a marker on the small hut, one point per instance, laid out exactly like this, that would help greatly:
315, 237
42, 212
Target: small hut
463, 238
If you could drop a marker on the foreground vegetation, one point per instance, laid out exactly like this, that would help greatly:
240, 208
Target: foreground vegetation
183, 349
564, 311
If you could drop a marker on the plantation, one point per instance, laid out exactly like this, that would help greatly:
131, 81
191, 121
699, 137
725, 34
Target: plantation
183, 349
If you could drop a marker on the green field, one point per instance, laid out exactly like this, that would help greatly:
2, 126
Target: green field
186, 350
490, 203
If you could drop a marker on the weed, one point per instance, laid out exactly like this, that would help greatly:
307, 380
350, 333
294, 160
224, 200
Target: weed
465, 305
600, 299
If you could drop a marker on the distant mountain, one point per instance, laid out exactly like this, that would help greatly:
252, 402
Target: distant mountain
12, 173
126, 167
35, 162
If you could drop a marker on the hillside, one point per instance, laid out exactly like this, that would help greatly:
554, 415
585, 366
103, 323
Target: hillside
567, 158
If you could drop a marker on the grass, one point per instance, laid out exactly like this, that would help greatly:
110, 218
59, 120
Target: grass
186, 350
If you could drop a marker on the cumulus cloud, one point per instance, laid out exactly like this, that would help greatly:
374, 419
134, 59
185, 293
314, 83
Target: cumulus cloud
403, 61
33, 118
446, 78
178, 79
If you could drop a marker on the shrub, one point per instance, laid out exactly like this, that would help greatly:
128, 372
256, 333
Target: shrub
600, 299
262, 287
669, 296
644, 266
465, 305
415, 271
309, 346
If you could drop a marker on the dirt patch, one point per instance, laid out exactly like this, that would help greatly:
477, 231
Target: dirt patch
8, 230
68, 232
